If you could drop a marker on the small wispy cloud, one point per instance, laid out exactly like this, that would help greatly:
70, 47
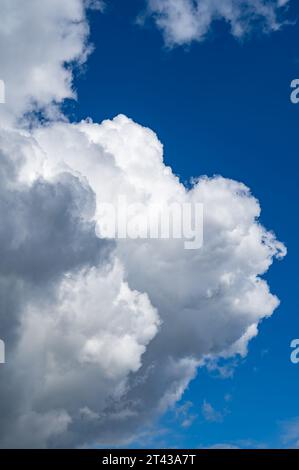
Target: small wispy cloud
185, 414
290, 433
184, 21
210, 414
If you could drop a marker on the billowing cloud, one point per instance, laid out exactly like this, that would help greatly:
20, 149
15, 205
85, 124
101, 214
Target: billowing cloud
104, 335
133, 319
184, 21
209, 301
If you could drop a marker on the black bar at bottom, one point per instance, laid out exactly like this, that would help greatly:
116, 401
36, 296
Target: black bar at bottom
135, 458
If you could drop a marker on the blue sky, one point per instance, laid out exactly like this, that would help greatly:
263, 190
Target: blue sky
219, 107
